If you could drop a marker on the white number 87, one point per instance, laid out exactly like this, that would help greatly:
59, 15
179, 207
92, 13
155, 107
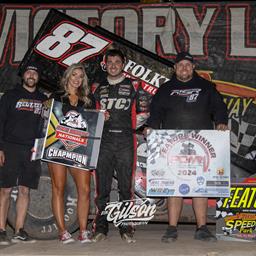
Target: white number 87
58, 44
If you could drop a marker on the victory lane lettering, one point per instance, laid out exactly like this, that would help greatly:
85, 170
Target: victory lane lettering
58, 44
130, 211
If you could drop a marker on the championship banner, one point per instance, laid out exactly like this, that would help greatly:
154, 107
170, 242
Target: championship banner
236, 215
72, 139
188, 163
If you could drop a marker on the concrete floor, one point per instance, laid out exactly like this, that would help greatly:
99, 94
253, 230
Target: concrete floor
148, 243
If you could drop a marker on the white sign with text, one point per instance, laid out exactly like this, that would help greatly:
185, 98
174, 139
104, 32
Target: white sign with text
188, 163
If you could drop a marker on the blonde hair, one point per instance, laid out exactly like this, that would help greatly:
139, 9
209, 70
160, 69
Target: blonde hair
83, 91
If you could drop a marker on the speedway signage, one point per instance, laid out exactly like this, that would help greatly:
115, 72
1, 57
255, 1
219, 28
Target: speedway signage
71, 139
236, 215
188, 163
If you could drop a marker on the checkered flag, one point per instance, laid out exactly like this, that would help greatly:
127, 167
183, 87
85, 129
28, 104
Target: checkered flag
242, 136
243, 143
158, 139
221, 212
155, 140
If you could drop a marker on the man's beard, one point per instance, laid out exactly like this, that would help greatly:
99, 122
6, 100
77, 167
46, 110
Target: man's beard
29, 84
185, 78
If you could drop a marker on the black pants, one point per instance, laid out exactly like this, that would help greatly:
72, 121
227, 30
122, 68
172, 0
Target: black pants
116, 153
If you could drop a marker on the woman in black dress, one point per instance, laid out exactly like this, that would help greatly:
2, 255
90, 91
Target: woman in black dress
75, 93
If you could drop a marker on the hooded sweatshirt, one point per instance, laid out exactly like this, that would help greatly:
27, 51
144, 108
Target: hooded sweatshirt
20, 115
195, 104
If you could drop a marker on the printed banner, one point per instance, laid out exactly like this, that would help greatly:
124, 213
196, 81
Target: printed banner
236, 215
73, 139
188, 163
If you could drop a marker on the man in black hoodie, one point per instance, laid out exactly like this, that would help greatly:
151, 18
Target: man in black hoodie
20, 114
190, 102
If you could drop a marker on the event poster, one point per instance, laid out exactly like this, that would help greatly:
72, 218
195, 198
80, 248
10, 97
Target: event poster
188, 163
236, 215
72, 139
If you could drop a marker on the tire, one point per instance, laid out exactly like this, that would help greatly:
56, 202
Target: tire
40, 222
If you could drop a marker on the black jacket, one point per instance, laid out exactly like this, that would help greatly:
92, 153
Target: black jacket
20, 115
195, 104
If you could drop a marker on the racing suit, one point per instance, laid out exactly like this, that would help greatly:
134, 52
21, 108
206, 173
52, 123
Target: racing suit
122, 100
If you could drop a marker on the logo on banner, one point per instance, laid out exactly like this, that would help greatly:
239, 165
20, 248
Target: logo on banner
135, 212
184, 189
75, 120
200, 180
75, 136
189, 153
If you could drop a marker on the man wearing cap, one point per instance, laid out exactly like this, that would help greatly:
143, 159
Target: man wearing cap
187, 101
20, 110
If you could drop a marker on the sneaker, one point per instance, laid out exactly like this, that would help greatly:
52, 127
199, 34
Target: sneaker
170, 235
22, 237
204, 234
3, 238
128, 237
99, 237
66, 238
85, 236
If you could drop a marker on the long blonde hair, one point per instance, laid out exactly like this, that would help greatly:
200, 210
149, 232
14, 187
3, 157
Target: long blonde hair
83, 91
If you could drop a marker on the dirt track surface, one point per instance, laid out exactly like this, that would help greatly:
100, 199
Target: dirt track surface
148, 243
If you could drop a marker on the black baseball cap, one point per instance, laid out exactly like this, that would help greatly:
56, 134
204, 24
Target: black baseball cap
184, 56
32, 66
